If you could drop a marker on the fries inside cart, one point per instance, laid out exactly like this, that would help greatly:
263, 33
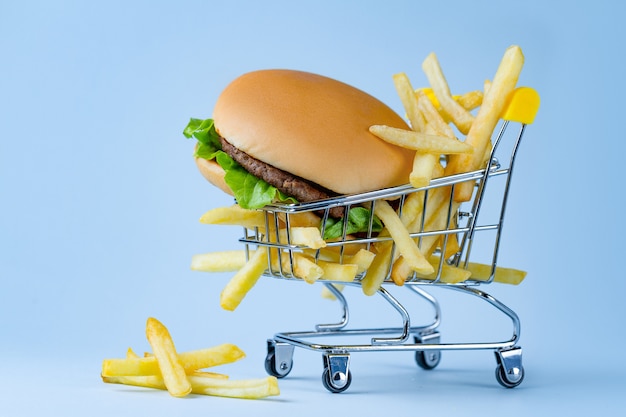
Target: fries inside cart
433, 231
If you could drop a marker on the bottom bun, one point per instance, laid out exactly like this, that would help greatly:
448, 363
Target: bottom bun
213, 173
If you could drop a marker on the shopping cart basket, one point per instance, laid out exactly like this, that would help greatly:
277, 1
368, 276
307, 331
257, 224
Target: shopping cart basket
465, 225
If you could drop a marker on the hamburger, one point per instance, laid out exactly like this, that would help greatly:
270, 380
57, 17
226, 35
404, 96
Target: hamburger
294, 136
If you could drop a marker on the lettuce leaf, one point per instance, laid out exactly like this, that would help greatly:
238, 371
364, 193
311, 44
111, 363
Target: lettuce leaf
249, 191
358, 221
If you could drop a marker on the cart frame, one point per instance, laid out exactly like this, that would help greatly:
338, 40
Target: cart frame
464, 223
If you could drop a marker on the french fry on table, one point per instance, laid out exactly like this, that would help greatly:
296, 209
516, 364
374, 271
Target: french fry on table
157, 370
209, 385
479, 136
190, 360
172, 370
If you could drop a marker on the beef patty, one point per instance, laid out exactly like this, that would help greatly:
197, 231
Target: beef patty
302, 190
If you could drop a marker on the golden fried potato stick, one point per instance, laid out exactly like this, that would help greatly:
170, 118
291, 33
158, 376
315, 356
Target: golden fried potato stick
409, 102
494, 102
191, 360
460, 117
362, 259
449, 274
310, 237
423, 142
221, 261
470, 100
208, 385
482, 272
434, 121
172, 370
303, 267
400, 235
339, 272
234, 216
243, 281
379, 268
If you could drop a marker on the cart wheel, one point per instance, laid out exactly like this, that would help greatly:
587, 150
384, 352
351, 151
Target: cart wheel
509, 380
336, 383
428, 359
278, 370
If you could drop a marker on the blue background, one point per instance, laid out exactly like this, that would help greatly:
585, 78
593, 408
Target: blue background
100, 199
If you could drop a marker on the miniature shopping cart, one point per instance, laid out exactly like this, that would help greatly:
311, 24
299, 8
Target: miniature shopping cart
465, 226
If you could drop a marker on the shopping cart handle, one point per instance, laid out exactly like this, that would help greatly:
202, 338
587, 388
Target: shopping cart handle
523, 106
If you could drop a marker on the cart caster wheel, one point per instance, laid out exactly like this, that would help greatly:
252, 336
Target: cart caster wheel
279, 359
509, 369
339, 382
510, 379
336, 376
278, 370
428, 359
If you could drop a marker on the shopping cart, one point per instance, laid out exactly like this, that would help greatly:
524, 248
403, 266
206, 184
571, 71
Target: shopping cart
465, 226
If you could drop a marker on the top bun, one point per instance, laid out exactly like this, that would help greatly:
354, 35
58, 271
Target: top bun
313, 127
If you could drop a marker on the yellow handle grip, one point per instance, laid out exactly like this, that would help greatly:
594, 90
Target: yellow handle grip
523, 105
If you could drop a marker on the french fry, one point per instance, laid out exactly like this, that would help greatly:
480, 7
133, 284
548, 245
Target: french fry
460, 117
482, 272
243, 281
222, 261
379, 268
247, 388
303, 267
207, 374
409, 102
470, 100
449, 274
302, 219
208, 385
328, 294
190, 360
434, 120
488, 115
422, 142
309, 237
405, 245
172, 370
338, 272
234, 216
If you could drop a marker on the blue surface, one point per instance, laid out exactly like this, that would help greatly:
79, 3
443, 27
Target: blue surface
100, 198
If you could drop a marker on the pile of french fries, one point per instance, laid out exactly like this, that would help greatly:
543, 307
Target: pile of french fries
437, 118
183, 373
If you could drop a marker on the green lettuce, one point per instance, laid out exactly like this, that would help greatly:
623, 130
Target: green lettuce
358, 221
249, 191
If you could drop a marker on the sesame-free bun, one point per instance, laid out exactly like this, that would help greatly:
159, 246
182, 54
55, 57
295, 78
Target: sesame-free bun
213, 173
313, 127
